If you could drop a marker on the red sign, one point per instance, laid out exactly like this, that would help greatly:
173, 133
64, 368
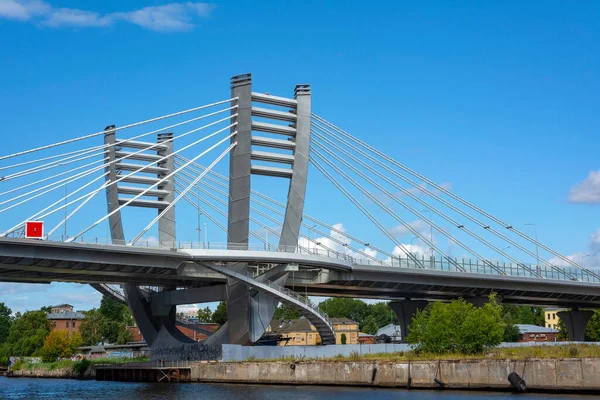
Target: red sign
34, 229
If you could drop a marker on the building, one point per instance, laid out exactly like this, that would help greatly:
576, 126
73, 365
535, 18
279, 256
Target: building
388, 334
63, 318
300, 332
551, 317
534, 333
365, 338
196, 331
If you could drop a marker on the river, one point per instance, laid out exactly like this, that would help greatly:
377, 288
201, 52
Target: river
58, 389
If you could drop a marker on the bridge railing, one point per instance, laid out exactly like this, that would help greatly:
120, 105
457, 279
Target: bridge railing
418, 261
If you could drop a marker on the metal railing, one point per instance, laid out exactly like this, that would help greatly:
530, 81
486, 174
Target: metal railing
416, 261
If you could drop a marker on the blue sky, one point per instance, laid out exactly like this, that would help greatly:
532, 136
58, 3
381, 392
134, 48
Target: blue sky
498, 99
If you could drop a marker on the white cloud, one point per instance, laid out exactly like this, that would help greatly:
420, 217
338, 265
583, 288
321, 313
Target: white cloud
22, 10
589, 258
587, 191
400, 230
173, 17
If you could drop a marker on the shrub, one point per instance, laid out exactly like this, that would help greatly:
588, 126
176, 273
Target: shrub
457, 327
343, 338
58, 344
81, 366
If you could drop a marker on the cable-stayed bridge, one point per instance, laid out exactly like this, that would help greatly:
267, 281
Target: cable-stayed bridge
242, 165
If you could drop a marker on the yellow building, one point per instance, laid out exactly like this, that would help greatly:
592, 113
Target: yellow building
300, 332
551, 317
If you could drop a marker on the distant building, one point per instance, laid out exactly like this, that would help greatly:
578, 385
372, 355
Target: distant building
63, 318
551, 317
365, 338
534, 333
196, 331
300, 332
388, 334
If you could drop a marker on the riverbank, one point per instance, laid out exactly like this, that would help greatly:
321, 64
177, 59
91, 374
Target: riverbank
561, 375
66, 369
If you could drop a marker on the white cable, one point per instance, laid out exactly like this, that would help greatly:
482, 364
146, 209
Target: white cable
47, 166
458, 198
50, 178
64, 221
124, 141
78, 176
187, 189
115, 129
38, 214
151, 186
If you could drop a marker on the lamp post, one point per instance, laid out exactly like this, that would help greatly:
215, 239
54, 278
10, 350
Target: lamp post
430, 230
507, 247
205, 235
537, 253
199, 229
583, 258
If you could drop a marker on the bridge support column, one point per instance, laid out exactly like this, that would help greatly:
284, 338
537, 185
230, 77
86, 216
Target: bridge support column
405, 310
576, 321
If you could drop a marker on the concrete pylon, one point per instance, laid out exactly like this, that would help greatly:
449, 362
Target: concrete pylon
575, 321
405, 310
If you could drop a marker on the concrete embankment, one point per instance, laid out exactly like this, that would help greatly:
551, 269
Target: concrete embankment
59, 373
574, 374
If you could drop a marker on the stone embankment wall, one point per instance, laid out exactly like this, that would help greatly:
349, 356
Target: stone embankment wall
61, 373
576, 374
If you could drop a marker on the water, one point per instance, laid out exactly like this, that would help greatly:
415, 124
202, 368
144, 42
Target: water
55, 389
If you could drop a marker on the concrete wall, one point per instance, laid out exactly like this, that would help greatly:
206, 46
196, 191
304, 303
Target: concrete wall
233, 352
577, 374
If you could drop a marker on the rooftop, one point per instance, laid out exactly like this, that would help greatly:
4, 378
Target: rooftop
66, 315
389, 330
525, 328
62, 305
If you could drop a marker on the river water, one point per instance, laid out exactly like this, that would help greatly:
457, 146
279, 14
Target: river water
58, 389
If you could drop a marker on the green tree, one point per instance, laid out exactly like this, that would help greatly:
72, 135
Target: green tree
27, 333
563, 334
383, 314
112, 309
592, 330
5, 322
90, 328
204, 315
220, 314
457, 327
370, 325
341, 307
512, 333
284, 312
523, 315
58, 344
125, 336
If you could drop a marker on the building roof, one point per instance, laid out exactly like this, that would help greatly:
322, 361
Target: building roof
344, 321
525, 328
389, 330
66, 315
62, 305
296, 325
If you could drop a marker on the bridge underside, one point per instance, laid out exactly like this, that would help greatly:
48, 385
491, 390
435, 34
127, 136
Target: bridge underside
44, 262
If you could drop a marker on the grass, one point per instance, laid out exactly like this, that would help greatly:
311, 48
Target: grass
512, 353
73, 364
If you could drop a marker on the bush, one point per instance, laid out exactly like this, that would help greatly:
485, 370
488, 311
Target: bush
58, 344
457, 327
81, 366
343, 338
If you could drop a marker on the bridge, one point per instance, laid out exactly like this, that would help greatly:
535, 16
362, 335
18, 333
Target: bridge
123, 178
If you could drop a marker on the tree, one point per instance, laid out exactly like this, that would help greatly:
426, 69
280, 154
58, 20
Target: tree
58, 344
563, 334
284, 312
457, 327
383, 314
523, 315
592, 330
5, 322
204, 315
27, 333
370, 325
112, 309
220, 314
512, 333
341, 307
90, 328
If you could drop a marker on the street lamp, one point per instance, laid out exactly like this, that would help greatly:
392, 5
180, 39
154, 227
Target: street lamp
205, 235
582, 258
199, 229
430, 230
537, 253
507, 247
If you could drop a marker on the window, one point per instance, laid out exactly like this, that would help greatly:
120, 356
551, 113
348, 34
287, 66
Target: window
67, 324
553, 315
298, 339
73, 324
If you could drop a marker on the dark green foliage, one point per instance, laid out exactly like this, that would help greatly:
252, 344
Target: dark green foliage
204, 315
511, 333
343, 338
370, 325
284, 312
523, 315
457, 327
592, 330
220, 314
341, 307
27, 333
112, 309
5, 322
107, 324
81, 366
